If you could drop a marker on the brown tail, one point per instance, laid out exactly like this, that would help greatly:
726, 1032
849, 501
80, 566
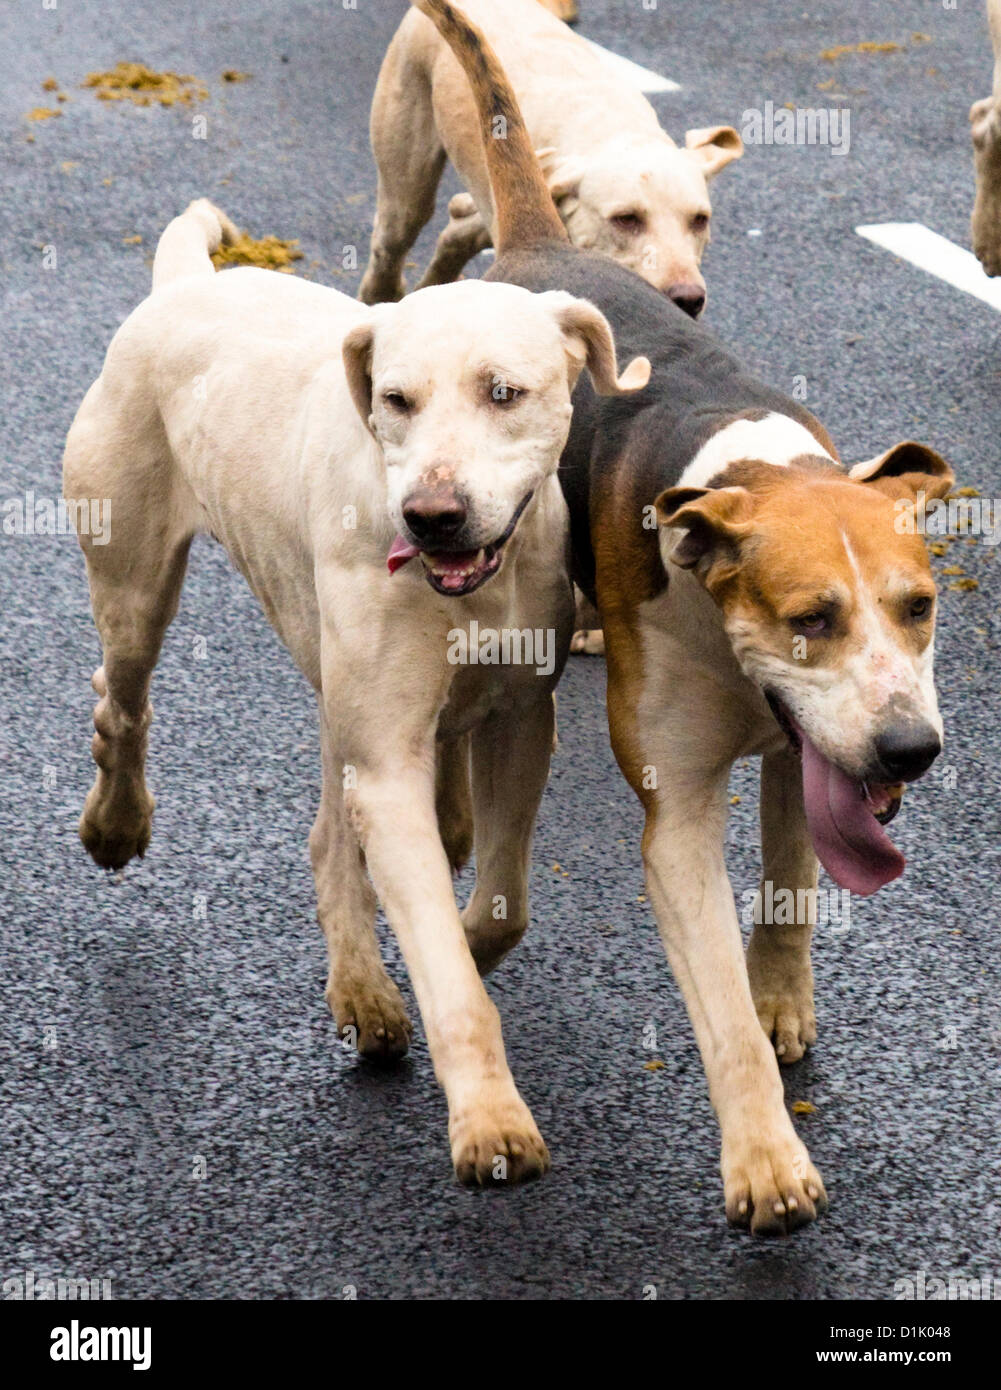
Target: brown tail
523, 206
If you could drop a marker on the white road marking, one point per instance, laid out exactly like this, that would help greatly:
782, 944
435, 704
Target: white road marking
641, 78
937, 255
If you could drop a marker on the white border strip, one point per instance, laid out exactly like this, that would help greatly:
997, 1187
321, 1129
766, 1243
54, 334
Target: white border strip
937, 255
641, 78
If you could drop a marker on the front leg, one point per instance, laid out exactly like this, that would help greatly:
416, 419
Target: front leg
493, 1135
365, 1002
769, 1182
778, 956
675, 736
453, 800
510, 766
385, 737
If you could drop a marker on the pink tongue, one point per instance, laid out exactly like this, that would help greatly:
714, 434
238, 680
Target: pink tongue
848, 839
399, 553
452, 571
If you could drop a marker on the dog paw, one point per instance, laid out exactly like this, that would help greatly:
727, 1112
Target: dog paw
495, 1143
489, 943
375, 289
985, 124
371, 1017
986, 236
456, 831
590, 642
114, 833
789, 1022
461, 206
771, 1187
782, 988
986, 227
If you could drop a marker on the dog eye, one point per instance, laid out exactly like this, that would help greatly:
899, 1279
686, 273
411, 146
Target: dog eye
505, 395
630, 222
700, 222
396, 400
811, 624
920, 607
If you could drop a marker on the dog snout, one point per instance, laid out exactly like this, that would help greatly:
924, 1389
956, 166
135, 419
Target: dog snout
435, 516
688, 296
907, 749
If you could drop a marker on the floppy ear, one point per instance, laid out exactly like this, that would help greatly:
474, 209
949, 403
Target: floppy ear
356, 352
905, 470
713, 522
562, 173
714, 147
589, 342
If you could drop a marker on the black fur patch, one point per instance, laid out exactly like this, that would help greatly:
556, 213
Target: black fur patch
641, 444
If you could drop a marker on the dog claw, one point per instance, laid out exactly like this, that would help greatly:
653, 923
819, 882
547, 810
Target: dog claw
497, 1145
372, 1016
771, 1186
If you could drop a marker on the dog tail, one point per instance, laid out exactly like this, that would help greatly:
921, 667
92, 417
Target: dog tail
524, 209
188, 242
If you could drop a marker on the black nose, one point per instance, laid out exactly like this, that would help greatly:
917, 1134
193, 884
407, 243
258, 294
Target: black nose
434, 516
690, 298
907, 750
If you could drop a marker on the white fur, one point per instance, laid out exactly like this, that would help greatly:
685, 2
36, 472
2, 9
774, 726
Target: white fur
777, 439
599, 141
224, 406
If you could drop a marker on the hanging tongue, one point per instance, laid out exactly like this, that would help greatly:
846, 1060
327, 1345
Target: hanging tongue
848, 839
399, 553
457, 572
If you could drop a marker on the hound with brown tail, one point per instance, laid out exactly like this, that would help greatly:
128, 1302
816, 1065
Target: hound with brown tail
620, 183
757, 598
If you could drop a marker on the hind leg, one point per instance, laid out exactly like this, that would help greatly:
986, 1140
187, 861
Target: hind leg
410, 158
135, 583
131, 618
464, 237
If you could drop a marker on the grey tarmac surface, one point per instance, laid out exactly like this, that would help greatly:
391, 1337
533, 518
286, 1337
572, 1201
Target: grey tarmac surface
145, 1043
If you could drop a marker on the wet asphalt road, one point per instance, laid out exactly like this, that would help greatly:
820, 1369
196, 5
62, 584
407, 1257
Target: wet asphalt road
178, 1114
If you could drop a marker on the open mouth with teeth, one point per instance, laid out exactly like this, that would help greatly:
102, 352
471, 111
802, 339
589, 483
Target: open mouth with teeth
457, 572
845, 816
